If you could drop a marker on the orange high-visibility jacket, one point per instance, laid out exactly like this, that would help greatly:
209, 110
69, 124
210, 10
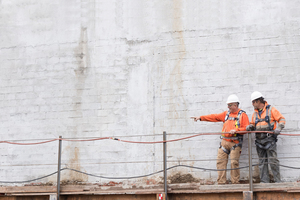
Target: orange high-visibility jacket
274, 115
229, 124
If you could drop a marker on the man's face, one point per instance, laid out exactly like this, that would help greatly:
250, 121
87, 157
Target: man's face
232, 107
255, 104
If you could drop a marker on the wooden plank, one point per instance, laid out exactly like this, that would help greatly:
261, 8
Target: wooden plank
92, 188
276, 195
24, 198
30, 194
112, 197
192, 188
208, 196
283, 187
107, 192
25, 189
8, 198
79, 188
293, 190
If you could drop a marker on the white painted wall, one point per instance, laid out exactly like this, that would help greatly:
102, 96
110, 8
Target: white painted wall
133, 69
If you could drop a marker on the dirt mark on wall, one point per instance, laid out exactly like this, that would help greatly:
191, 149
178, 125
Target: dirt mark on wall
83, 61
175, 79
74, 163
81, 73
83, 64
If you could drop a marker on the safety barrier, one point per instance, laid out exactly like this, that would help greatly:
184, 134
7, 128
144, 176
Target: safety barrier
165, 169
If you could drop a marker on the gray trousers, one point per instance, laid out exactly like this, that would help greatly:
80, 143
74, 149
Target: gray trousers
265, 156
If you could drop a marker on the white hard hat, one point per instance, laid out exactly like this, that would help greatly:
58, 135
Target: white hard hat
232, 99
256, 95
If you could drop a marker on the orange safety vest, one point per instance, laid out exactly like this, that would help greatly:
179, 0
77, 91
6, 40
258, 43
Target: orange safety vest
237, 125
229, 124
268, 118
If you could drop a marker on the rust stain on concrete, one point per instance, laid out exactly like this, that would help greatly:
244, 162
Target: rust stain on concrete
180, 49
81, 53
74, 164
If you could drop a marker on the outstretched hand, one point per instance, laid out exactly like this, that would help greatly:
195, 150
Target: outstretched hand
196, 118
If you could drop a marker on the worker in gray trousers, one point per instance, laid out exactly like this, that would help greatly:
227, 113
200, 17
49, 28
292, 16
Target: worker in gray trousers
266, 118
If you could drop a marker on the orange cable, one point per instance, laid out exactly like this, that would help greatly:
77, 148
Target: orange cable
103, 138
19, 143
86, 140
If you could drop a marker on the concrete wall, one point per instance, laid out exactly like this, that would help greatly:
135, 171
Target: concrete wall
133, 69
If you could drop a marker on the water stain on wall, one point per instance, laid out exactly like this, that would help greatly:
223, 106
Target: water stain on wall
81, 74
175, 79
75, 164
82, 57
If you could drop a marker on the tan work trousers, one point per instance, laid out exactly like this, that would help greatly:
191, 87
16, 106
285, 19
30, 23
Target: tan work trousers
222, 161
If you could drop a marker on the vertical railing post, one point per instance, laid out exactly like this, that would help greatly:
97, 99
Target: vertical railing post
165, 165
58, 168
250, 162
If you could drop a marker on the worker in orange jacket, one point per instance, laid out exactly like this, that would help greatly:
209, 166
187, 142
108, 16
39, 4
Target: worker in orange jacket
266, 118
234, 120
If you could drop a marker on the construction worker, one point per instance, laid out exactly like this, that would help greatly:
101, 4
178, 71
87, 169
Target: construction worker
233, 120
266, 118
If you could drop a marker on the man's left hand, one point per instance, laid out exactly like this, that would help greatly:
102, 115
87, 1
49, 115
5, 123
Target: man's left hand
232, 132
277, 131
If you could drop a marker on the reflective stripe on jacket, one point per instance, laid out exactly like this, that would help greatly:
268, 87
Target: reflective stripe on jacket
274, 116
228, 124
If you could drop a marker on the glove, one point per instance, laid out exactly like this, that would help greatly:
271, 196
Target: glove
250, 127
277, 131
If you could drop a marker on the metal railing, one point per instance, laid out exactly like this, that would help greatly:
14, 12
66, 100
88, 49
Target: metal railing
165, 169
